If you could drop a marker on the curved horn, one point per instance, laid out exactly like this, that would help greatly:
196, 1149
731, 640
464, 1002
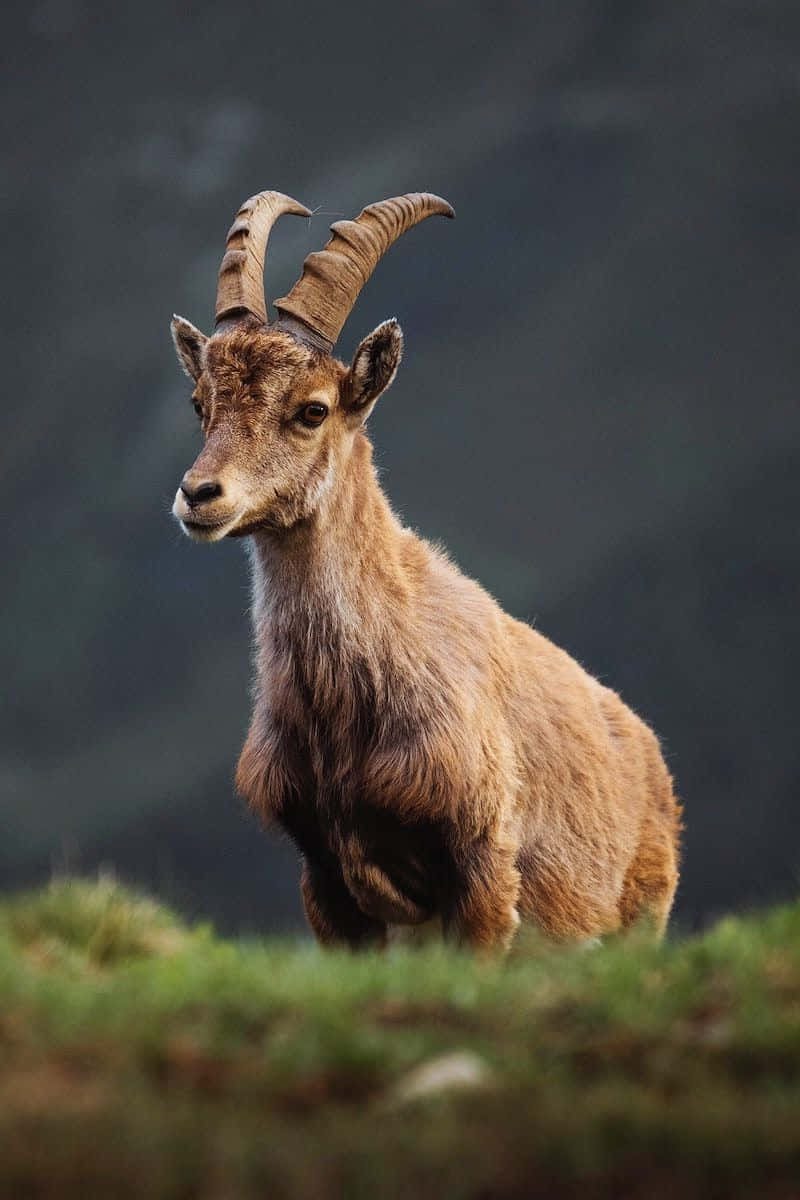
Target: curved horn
241, 275
325, 293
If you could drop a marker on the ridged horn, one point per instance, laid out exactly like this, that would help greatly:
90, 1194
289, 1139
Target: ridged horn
241, 274
332, 278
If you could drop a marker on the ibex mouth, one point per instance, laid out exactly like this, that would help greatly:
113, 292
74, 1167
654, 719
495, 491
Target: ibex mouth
207, 531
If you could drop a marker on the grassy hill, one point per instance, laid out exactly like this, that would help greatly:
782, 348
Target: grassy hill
140, 1057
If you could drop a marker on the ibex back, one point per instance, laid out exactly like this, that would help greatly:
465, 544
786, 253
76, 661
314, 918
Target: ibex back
429, 755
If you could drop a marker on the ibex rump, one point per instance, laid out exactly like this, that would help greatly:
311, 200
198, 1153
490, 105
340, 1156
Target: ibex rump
429, 755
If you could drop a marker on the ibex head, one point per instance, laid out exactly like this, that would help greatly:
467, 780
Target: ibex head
279, 413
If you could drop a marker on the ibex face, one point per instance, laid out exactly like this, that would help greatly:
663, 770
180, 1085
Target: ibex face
278, 412
278, 419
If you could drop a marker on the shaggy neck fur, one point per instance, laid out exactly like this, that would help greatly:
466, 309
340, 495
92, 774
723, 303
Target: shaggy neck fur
332, 597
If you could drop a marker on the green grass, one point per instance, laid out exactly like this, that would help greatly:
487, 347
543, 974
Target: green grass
139, 1057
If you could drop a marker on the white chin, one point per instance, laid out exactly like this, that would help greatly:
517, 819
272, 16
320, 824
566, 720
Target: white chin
206, 533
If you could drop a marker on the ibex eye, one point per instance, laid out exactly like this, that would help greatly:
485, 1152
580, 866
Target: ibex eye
197, 406
313, 414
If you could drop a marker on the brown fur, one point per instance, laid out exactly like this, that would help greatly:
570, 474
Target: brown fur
429, 755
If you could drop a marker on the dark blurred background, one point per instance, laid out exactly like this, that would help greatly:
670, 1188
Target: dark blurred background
598, 410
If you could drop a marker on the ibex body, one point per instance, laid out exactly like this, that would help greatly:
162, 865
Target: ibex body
429, 755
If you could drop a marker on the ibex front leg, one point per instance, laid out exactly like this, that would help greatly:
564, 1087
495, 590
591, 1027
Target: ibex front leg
483, 908
332, 911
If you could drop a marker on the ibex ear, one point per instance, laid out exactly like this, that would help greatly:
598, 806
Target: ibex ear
373, 368
189, 344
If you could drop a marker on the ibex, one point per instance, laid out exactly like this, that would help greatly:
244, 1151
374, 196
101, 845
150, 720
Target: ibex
430, 756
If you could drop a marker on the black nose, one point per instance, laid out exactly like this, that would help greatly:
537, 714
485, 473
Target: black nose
199, 493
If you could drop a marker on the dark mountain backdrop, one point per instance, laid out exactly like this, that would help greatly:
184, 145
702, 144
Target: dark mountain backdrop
598, 411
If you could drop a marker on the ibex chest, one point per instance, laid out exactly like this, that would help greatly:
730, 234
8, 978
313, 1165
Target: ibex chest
350, 789
345, 820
